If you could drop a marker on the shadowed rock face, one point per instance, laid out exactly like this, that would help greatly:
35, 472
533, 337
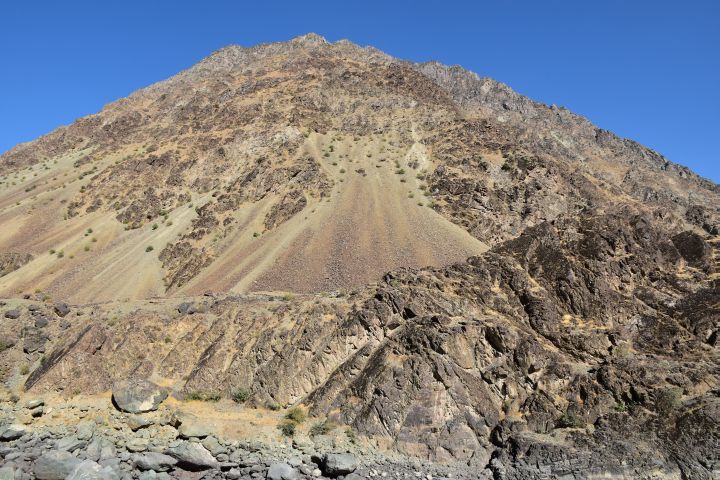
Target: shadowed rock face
584, 342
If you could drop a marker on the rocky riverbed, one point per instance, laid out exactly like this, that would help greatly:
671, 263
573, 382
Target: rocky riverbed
93, 438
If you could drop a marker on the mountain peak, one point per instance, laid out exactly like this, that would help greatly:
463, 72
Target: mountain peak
310, 39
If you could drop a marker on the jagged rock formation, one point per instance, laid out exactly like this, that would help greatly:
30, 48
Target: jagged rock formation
584, 345
583, 342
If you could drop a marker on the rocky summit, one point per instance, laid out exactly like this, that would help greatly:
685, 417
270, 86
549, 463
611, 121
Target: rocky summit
313, 260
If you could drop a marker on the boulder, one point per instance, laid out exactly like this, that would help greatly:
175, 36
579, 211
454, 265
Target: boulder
34, 340
184, 307
192, 427
137, 444
138, 396
89, 470
85, 430
336, 464
61, 309
8, 473
192, 456
158, 462
12, 314
70, 443
136, 422
34, 403
41, 322
55, 465
282, 471
13, 432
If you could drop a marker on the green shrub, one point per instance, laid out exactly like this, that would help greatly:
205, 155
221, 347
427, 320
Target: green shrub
296, 414
668, 399
274, 406
149, 248
321, 428
570, 420
203, 396
287, 427
240, 395
24, 370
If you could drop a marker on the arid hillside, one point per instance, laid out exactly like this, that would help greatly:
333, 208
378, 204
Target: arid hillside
305, 167
439, 271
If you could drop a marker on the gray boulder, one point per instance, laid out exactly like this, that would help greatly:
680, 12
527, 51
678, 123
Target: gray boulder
192, 427
282, 471
158, 462
34, 340
136, 422
7, 473
192, 456
138, 396
13, 432
41, 322
34, 403
70, 444
85, 430
55, 465
336, 464
12, 314
61, 309
89, 470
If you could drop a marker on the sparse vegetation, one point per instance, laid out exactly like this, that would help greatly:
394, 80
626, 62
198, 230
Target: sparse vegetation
668, 399
287, 428
321, 428
570, 420
296, 414
149, 248
203, 396
240, 395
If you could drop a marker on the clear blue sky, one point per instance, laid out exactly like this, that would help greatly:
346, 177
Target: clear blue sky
647, 70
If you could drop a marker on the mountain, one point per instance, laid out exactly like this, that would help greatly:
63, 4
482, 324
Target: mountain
454, 271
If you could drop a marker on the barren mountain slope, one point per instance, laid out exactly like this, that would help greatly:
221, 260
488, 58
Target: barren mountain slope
307, 166
421, 257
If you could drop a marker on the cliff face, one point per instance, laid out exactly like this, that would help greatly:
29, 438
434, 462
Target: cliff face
553, 302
